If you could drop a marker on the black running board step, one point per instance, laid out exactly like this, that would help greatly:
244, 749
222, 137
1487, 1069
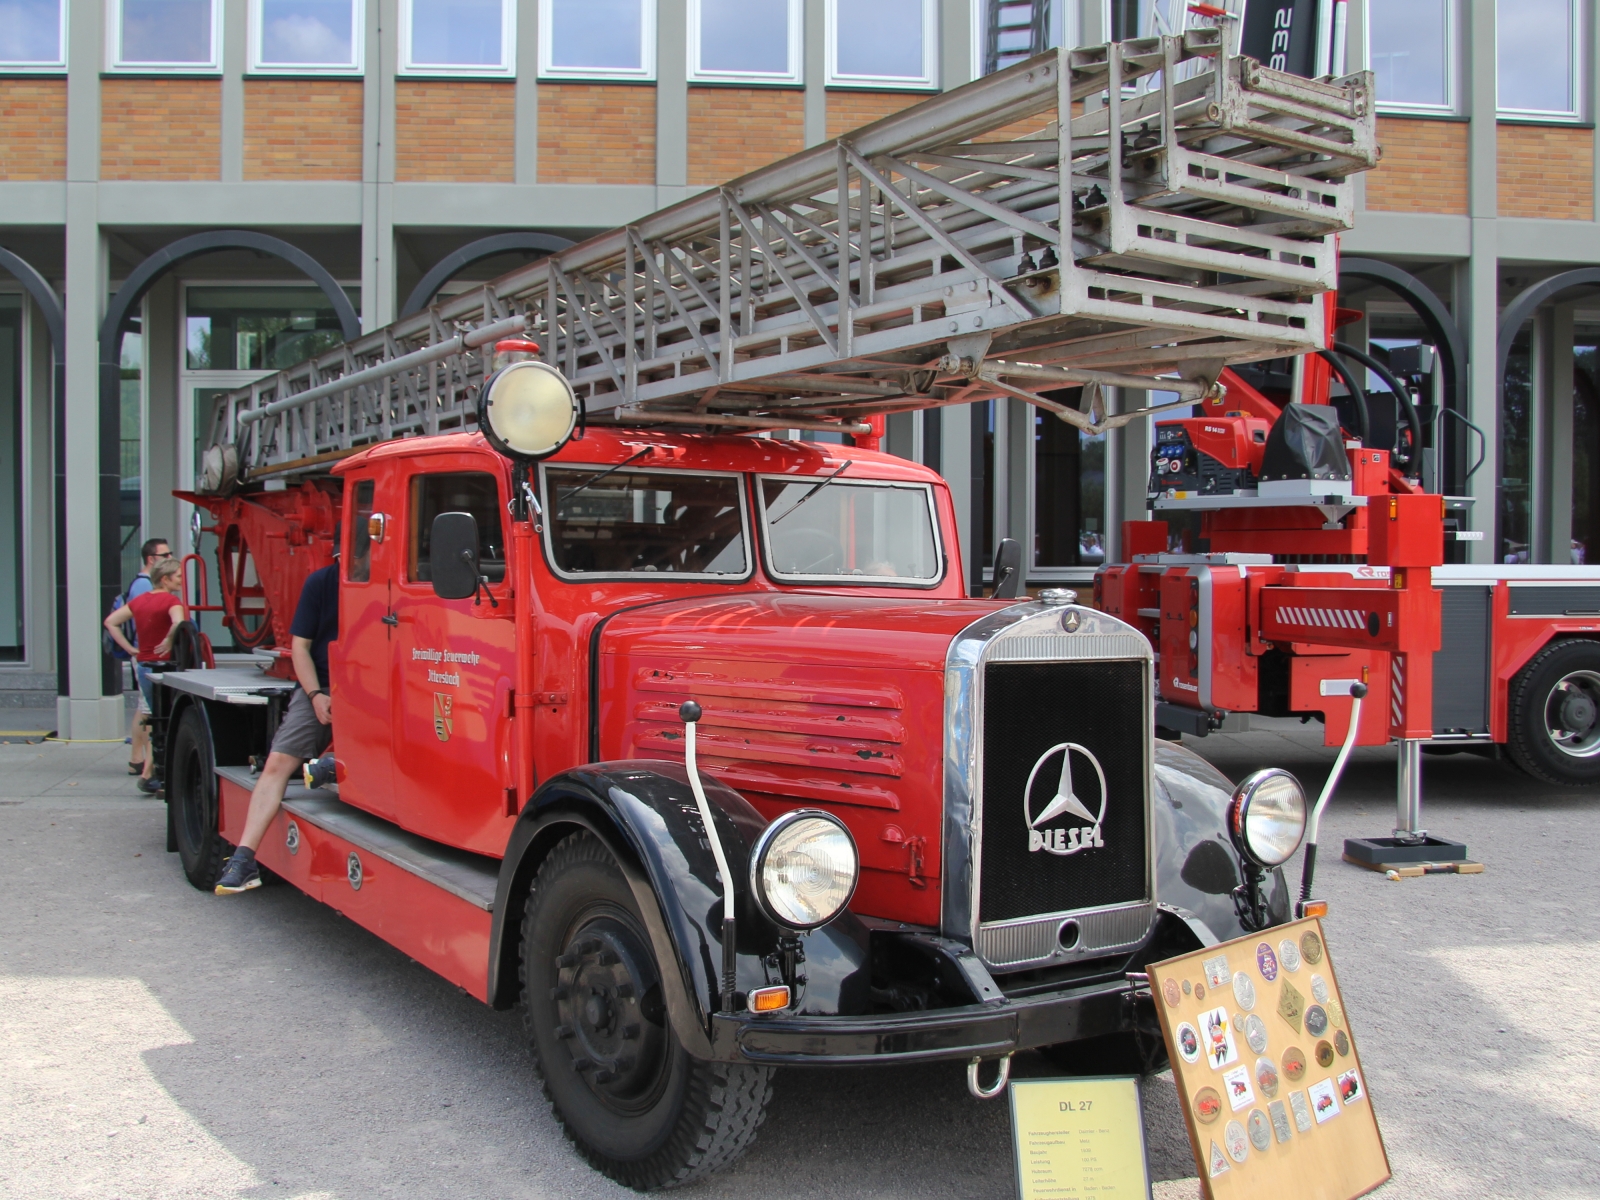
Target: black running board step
471, 877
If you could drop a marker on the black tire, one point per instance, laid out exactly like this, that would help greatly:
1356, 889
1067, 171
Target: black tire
628, 1095
1553, 719
192, 793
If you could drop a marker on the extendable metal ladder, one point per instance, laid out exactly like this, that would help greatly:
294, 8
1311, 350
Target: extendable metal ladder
1139, 214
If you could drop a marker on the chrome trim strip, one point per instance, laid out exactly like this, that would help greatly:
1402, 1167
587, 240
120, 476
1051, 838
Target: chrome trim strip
1031, 940
1026, 632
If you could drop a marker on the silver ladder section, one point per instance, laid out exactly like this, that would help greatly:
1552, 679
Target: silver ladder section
913, 263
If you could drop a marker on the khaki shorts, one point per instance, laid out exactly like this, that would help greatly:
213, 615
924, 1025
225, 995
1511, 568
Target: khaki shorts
300, 734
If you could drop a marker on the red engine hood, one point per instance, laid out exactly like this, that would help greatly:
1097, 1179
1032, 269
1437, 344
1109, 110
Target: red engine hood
835, 702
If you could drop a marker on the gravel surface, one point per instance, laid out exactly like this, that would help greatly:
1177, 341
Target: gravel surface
159, 1042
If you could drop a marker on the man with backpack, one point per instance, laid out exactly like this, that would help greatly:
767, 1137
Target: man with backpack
153, 551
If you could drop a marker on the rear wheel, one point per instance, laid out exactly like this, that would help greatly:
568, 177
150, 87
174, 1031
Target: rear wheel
627, 1093
192, 793
1553, 725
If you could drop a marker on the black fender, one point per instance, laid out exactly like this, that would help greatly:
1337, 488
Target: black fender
645, 813
1197, 867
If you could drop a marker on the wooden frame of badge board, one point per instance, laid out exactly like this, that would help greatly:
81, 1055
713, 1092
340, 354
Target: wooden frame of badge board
1340, 1159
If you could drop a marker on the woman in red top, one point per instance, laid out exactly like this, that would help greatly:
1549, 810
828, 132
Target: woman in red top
155, 615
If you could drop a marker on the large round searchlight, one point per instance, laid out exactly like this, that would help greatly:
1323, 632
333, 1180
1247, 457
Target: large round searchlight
1267, 817
527, 410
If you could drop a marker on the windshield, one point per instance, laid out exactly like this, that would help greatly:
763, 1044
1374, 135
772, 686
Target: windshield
855, 531
666, 522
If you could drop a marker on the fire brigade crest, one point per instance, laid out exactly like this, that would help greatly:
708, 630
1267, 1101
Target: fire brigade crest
1063, 822
443, 723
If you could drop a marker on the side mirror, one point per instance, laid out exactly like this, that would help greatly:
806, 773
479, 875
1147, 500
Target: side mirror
453, 556
1007, 570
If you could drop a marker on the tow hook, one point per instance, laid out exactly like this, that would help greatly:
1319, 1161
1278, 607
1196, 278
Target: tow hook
1138, 1005
979, 1092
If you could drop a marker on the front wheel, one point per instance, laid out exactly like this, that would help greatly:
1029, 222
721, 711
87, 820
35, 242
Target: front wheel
1553, 726
192, 793
628, 1095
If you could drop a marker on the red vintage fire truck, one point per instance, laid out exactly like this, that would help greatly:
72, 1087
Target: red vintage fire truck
695, 744
947, 830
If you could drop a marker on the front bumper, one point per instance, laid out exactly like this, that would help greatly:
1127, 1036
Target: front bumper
987, 1030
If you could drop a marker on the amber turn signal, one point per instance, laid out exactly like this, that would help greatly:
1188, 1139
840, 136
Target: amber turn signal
769, 999
1311, 908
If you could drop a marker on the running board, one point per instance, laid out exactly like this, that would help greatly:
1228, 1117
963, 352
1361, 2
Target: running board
430, 901
472, 877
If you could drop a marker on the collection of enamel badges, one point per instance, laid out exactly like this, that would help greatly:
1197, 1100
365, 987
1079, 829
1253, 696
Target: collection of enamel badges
1267, 1070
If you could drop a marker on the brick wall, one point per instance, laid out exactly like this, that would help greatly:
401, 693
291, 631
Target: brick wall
1424, 167
1546, 171
160, 128
852, 110
597, 133
735, 130
302, 128
449, 131
33, 128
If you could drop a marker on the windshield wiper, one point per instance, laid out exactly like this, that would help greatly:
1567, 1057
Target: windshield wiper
843, 467
593, 479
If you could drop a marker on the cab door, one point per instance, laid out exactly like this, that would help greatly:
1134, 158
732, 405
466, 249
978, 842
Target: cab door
453, 667
360, 661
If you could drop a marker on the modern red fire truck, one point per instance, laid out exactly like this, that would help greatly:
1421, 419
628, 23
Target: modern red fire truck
694, 744
1302, 580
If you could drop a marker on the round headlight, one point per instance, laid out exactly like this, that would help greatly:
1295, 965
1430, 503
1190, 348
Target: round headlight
527, 410
1267, 817
803, 869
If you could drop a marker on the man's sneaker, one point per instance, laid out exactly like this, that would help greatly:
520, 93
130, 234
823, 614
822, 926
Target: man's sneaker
148, 786
240, 875
321, 772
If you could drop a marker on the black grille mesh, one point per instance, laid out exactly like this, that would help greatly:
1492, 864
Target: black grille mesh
1028, 708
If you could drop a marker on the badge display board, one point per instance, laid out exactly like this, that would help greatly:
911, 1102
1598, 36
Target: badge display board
1078, 1138
1267, 1069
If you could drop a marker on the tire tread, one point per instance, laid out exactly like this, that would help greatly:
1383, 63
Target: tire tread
725, 1103
1525, 715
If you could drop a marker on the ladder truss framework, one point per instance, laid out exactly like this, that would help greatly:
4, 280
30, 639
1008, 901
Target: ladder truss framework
904, 265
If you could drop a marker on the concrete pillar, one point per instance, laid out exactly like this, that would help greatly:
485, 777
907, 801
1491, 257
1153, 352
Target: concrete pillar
38, 428
1479, 291
164, 449
378, 302
956, 465
82, 576
527, 100
814, 64
235, 62
672, 101
1555, 482
1130, 447
955, 43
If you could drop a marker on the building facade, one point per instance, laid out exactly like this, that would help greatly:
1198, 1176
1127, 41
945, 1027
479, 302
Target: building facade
193, 192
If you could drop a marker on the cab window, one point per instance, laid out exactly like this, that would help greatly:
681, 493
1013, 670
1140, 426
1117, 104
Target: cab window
850, 531
358, 562
472, 492
626, 522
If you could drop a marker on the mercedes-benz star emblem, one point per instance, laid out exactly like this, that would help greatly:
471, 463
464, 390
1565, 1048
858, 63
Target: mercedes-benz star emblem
1066, 805
1071, 620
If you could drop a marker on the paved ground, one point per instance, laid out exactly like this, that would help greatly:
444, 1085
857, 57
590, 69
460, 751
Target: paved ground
157, 1042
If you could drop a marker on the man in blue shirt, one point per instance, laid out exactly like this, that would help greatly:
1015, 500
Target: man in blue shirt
153, 551
307, 726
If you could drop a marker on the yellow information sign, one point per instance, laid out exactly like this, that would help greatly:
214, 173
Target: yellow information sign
1079, 1138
